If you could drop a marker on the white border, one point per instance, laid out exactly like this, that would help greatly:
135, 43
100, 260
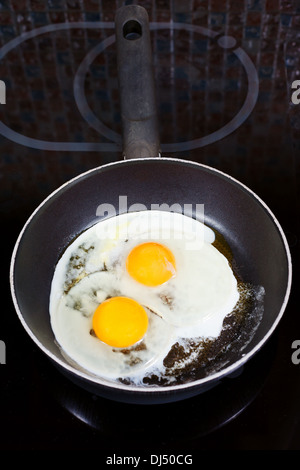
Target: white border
172, 388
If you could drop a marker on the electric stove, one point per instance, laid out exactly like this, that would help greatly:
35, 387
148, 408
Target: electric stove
226, 81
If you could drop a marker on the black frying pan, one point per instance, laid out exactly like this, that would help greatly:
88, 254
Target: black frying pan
258, 245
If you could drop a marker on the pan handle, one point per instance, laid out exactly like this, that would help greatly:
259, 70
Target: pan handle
136, 83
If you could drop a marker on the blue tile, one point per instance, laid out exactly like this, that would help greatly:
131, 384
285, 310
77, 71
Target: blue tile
255, 5
78, 137
26, 116
285, 20
231, 85
39, 18
217, 19
180, 73
200, 85
67, 94
63, 57
38, 95
32, 71
117, 118
200, 45
93, 42
162, 45
252, 32
265, 72
291, 61
7, 32
102, 95
4, 5
183, 95
56, 4
182, 17
232, 60
98, 71
7, 158
92, 16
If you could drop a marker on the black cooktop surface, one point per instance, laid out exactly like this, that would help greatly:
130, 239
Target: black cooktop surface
226, 77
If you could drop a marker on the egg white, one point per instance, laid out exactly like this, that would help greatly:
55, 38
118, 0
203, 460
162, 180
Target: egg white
192, 304
72, 323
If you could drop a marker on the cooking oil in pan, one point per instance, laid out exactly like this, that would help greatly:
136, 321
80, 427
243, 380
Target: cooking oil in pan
189, 356
195, 359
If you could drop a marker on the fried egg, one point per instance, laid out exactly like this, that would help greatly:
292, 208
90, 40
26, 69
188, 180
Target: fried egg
131, 286
111, 336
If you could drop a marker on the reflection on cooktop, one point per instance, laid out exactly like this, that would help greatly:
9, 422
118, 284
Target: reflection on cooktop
224, 74
183, 421
223, 85
228, 43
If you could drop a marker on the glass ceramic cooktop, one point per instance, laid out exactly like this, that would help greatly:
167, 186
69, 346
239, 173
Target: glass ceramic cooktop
226, 81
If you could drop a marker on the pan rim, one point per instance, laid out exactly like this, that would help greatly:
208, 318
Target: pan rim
132, 389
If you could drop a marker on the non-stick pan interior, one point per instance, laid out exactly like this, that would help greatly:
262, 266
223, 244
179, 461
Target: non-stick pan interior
257, 243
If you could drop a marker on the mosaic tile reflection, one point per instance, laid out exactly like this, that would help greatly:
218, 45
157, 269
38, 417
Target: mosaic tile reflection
200, 87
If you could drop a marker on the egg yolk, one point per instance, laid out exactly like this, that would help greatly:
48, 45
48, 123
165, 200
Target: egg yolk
151, 264
120, 322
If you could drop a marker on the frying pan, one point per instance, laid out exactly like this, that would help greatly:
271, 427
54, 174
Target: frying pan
257, 242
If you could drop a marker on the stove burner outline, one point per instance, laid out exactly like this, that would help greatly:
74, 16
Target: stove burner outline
226, 42
43, 144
